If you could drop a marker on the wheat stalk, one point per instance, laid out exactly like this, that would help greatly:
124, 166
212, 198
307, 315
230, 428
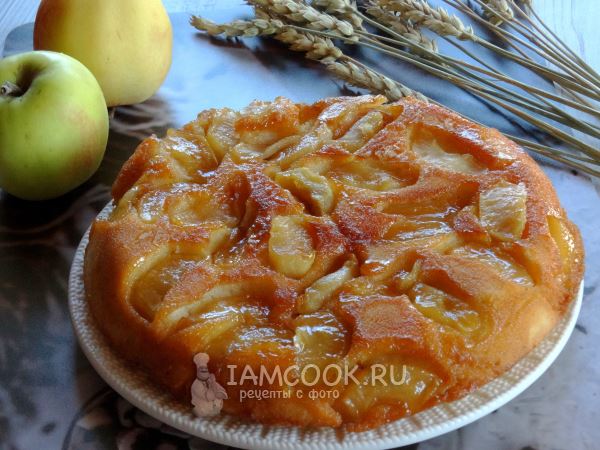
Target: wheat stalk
438, 20
487, 70
315, 47
404, 29
359, 75
302, 13
238, 28
499, 11
543, 37
343, 9
569, 79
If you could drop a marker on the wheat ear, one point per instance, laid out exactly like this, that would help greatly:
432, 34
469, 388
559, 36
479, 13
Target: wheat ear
343, 9
361, 76
438, 20
299, 12
238, 28
499, 11
315, 47
404, 29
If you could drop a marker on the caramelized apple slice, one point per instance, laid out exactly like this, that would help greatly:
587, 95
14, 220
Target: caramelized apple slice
385, 259
191, 152
388, 382
428, 150
362, 131
319, 339
503, 210
206, 330
280, 145
325, 287
365, 174
444, 308
309, 143
197, 207
260, 343
263, 123
150, 205
291, 249
504, 264
425, 225
221, 135
218, 234
564, 240
243, 152
405, 280
149, 290
177, 313
311, 188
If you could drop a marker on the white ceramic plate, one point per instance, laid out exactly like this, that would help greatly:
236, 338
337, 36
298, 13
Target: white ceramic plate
134, 386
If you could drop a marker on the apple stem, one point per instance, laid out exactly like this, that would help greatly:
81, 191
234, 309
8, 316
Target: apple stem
9, 89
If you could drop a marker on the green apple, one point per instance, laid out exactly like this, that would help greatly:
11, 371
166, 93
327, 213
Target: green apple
53, 124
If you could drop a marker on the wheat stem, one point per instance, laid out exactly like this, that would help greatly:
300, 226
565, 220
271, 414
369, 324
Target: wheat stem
424, 51
508, 95
572, 78
438, 20
405, 30
555, 40
550, 51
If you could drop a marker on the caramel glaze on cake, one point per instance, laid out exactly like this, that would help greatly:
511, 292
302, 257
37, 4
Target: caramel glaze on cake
351, 231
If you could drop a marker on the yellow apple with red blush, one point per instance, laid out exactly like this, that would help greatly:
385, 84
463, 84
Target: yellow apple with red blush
126, 44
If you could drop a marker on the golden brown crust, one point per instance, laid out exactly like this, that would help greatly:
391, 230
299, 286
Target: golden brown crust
348, 232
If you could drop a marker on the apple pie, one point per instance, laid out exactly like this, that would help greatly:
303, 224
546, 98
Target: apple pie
350, 234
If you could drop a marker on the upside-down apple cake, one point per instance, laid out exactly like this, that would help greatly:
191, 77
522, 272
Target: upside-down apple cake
351, 232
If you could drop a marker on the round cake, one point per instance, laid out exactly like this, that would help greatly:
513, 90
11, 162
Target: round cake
344, 263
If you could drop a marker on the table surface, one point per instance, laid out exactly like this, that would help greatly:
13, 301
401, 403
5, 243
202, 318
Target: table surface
50, 397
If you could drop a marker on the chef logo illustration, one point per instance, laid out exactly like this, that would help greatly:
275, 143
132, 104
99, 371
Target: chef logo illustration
207, 394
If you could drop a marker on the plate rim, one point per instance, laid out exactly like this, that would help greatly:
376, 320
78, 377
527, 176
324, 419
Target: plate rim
78, 305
